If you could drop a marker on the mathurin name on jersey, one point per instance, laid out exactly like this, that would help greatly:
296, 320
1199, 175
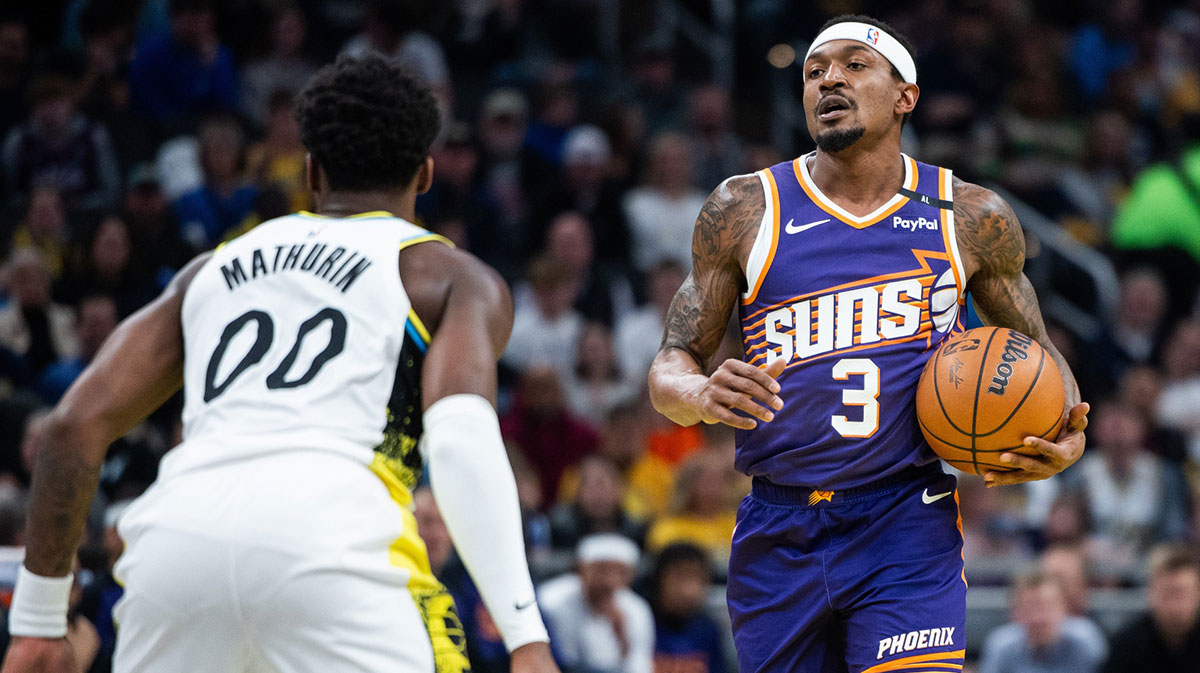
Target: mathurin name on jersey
332, 265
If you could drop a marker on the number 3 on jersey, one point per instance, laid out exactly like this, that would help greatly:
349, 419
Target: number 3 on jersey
866, 397
265, 334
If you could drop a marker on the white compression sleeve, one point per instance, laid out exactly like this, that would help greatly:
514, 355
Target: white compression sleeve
473, 484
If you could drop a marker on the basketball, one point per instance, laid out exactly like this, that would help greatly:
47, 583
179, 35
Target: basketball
983, 393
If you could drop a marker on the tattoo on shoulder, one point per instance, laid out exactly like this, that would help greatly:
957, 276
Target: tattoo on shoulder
725, 227
987, 229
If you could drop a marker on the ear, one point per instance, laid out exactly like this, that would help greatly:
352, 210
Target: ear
909, 93
425, 175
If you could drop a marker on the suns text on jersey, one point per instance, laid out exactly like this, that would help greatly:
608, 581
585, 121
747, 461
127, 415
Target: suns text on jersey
331, 264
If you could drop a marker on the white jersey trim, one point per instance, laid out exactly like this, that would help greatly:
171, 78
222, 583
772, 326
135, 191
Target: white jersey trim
760, 252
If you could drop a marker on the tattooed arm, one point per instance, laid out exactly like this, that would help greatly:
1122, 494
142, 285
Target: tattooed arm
696, 320
993, 250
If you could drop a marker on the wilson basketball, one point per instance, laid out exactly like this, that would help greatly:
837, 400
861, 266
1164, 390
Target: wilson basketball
983, 393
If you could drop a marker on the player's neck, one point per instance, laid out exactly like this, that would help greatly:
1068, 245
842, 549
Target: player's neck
346, 203
859, 180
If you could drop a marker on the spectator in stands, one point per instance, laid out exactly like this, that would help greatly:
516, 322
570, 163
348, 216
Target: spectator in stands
81, 633
103, 592
485, 648
59, 147
546, 328
278, 159
97, 319
1098, 48
703, 512
1136, 331
225, 199
392, 30
14, 70
549, 436
586, 188
153, 230
44, 229
456, 193
1067, 564
598, 507
1167, 637
186, 71
717, 151
603, 292
656, 88
556, 105
1179, 405
106, 265
596, 623
639, 332
1092, 189
597, 386
1140, 389
511, 176
285, 68
1043, 637
686, 638
1134, 498
32, 325
662, 212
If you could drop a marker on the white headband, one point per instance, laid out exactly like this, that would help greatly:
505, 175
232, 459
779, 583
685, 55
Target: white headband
880, 41
608, 547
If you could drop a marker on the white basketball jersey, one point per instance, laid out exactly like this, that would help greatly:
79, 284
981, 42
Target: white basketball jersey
299, 336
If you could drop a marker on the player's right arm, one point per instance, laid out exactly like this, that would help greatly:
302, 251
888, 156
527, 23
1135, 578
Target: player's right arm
679, 388
467, 308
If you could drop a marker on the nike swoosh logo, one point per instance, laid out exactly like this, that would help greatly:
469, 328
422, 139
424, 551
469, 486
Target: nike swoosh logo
522, 606
793, 229
930, 499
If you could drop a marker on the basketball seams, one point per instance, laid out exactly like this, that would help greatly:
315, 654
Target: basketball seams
978, 387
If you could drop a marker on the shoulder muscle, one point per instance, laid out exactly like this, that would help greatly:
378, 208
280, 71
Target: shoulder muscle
989, 234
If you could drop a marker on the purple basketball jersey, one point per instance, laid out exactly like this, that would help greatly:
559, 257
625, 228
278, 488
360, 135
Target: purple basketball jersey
855, 306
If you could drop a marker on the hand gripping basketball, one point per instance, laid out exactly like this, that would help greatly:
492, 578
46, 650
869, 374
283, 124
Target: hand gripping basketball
741, 386
1054, 456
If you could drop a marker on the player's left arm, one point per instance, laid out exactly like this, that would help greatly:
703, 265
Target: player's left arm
993, 248
139, 367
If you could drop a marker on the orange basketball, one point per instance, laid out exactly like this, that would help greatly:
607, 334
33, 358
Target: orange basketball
983, 393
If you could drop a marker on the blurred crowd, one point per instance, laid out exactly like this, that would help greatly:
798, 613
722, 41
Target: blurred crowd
579, 141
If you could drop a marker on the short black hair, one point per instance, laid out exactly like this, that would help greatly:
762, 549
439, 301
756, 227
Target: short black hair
885, 27
368, 122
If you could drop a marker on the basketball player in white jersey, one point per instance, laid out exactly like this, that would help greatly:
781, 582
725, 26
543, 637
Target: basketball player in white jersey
322, 356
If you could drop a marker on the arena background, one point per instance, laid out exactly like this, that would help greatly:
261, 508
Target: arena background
580, 139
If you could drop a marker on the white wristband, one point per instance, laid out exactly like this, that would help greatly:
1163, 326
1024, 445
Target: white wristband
39, 605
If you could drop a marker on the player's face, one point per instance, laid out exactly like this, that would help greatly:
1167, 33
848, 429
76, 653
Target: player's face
849, 91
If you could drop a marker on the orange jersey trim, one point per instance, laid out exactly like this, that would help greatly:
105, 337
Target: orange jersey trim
826, 204
911, 662
947, 217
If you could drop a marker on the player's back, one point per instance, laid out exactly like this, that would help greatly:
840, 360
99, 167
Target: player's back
855, 305
299, 336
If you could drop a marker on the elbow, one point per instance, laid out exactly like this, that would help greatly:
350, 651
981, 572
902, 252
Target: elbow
75, 436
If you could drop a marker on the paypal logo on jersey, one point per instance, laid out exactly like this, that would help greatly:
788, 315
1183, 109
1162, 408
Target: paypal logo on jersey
919, 224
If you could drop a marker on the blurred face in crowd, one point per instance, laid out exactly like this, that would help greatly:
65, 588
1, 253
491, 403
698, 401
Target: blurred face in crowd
14, 46
30, 281
288, 33
569, 241
220, 150
282, 126
541, 392
597, 361
45, 217
1041, 609
683, 588
850, 93
1181, 357
664, 282
707, 493
111, 249
456, 163
601, 581
1119, 433
1143, 301
431, 527
53, 114
145, 203
1068, 566
1175, 601
1140, 388
711, 111
97, 319
600, 490
671, 163
194, 27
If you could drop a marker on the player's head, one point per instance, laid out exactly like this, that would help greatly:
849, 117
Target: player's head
367, 125
860, 80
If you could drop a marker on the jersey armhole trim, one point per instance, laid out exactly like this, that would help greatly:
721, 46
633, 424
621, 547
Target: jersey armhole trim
762, 253
416, 329
946, 194
425, 238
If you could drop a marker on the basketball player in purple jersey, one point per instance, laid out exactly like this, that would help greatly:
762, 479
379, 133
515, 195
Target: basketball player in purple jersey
848, 267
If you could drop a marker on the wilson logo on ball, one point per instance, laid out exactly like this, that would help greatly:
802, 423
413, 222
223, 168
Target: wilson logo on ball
1016, 348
